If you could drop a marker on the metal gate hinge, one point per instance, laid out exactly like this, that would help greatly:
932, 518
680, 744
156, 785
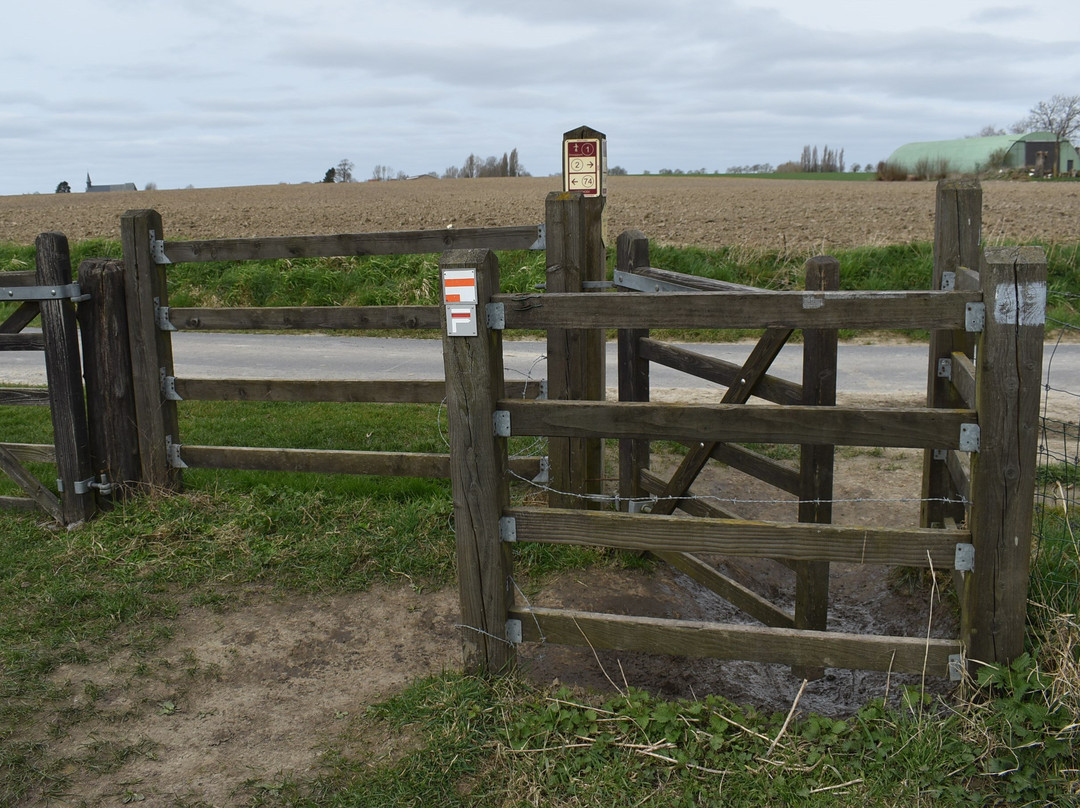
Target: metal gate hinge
69, 291
168, 386
157, 249
496, 316
948, 281
172, 451
501, 421
544, 474
956, 667
161, 316
965, 558
969, 437
541, 238
513, 632
507, 528
944, 368
543, 390
975, 317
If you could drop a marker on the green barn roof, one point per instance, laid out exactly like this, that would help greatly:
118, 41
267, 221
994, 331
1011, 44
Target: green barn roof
973, 154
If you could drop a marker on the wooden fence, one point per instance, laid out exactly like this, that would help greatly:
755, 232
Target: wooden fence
978, 430
162, 453
985, 437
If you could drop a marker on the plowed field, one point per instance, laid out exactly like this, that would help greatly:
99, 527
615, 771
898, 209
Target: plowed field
704, 211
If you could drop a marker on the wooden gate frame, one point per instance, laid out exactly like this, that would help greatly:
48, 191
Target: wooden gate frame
151, 320
997, 428
50, 291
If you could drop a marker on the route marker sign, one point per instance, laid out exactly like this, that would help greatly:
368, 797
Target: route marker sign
585, 162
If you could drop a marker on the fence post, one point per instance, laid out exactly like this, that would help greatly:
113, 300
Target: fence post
110, 398
633, 251
816, 461
474, 382
1007, 392
957, 232
64, 372
151, 347
575, 356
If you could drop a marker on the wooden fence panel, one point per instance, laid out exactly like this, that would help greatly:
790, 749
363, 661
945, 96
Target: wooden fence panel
474, 378
816, 460
63, 369
1003, 469
402, 242
957, 232
151, 347
575, 356
911, 427
917, 655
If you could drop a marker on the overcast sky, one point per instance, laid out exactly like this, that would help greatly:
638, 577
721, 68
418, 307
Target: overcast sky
238, 92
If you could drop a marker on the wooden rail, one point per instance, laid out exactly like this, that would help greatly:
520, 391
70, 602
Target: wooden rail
400, 242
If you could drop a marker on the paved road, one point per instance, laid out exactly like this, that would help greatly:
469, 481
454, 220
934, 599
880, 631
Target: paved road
877, 370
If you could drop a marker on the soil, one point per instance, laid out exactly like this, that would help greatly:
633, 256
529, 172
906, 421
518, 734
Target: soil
704, 211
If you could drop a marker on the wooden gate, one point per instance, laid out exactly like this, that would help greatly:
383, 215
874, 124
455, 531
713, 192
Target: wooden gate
995, 428
50, 293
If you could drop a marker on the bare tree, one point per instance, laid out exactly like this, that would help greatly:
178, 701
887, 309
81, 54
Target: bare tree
344, 171
1060, 115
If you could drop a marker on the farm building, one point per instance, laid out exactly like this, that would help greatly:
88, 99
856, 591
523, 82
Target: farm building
1034, 151
126, 186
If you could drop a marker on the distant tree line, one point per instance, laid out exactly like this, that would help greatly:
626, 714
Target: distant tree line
507, 166
827, 161
756, 168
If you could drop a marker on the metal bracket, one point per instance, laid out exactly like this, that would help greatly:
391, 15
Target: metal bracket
640, 505
948, 281
965, 558
496, 316
545, 471
941, 454
541, 238
157, 249
70, 291
630, 280
501, 423
168, 386
172, 451
969, 437
956, 667
975, 317
161, 316
944, 368
513, 632
597, 285
507, 528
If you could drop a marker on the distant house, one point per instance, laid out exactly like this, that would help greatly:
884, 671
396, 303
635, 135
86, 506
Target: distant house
1033, 151
127, 186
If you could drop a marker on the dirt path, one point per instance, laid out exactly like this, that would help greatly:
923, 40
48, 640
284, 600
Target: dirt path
245, 694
